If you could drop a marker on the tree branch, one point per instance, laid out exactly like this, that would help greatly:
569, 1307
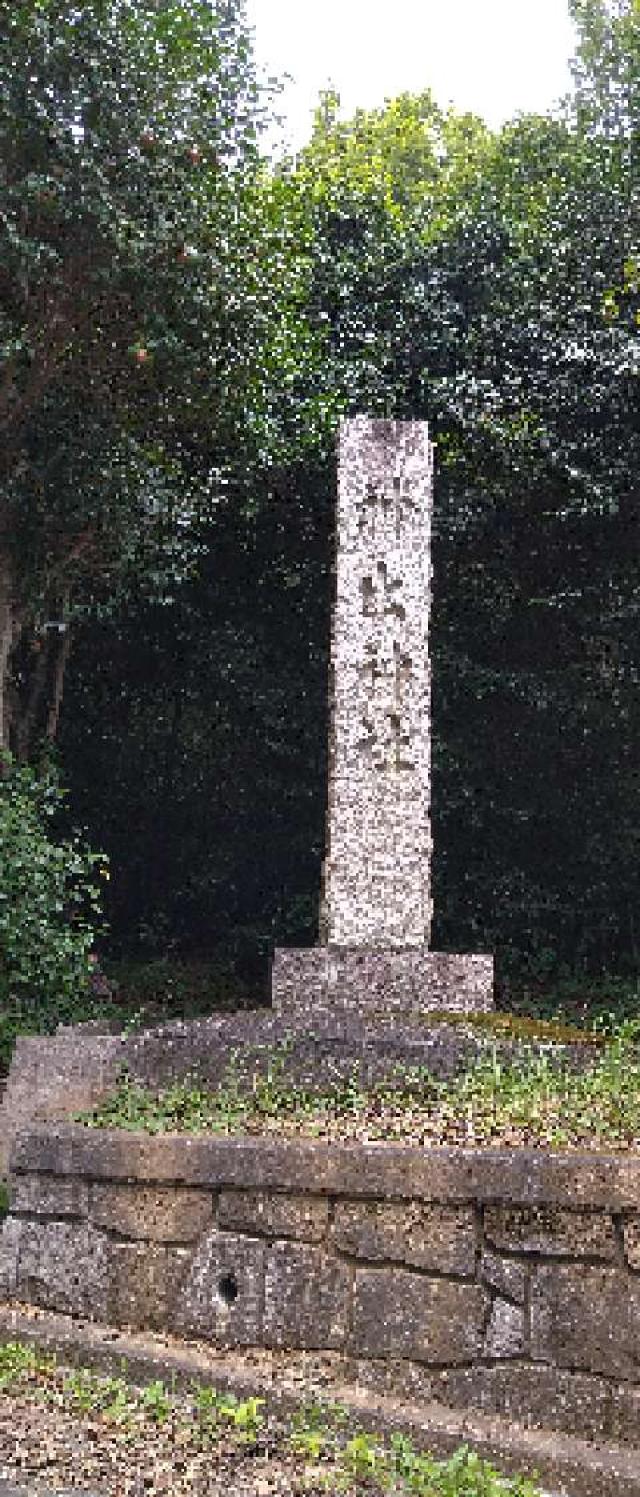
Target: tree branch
57, 685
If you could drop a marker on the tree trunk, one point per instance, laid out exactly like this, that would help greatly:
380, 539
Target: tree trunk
8, 636
38, 714
30, 705
26, 726
57, 683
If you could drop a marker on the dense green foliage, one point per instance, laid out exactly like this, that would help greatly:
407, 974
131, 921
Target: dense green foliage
149, 314
410, 263
50, 897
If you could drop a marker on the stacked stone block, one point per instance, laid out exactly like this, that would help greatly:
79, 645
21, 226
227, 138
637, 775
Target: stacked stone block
376, 903
509, 1283
377, 868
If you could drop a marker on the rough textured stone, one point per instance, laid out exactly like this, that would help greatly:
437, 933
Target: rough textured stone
306, 1297
146, 1279
64, 1266
377, 868
625, 1413
505, 1334
10, 1238
394, 1377
439, 1238
539, 1229
395, 1171
586, 1318
222, 1294
158, 1213
254, 1211
307, 1053
506, 1275
49, 1195
327, 981
631, 1233
376, 902
404, 1314
534, 1395
54, 1075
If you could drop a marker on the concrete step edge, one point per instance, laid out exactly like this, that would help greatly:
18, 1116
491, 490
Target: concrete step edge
569, 1466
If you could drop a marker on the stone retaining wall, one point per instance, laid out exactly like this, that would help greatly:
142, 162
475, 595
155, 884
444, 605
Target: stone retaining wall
505, 1282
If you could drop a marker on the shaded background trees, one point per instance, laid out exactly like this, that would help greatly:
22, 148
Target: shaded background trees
148, 313
409, 263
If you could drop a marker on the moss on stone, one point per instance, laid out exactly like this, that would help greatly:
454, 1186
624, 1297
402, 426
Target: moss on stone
523, 1027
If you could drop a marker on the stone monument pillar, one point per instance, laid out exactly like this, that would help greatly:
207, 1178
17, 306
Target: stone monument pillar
376, 904
378, 863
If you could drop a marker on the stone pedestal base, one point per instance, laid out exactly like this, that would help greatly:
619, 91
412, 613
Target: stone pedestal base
325, 982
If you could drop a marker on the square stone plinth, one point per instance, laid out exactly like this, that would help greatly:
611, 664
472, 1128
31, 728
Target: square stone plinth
329, 982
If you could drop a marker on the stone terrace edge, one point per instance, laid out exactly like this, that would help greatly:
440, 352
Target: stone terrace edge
314, 1167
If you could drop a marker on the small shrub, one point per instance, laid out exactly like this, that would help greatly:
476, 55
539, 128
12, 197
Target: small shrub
49, 903
168, 988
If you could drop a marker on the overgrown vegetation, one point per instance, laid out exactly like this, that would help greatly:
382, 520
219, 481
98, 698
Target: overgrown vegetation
537, 1097
161, 990
574, 998
147, 313
320, 1447
181, 326
475, 279
50, 905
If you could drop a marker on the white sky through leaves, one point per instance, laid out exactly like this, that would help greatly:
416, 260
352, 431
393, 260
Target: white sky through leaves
493, 57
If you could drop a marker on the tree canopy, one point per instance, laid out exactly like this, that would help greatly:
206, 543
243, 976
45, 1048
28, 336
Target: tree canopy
149, 311
183, 323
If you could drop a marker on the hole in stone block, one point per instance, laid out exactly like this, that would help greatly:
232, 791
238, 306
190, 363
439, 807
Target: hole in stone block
228, 1288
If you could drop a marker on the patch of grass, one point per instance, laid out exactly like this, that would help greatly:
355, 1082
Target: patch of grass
235, 1106
545, 1101
320, 1446
537, 1099
20, 1364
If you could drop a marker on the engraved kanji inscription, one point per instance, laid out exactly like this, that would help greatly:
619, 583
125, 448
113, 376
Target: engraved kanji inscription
377, 869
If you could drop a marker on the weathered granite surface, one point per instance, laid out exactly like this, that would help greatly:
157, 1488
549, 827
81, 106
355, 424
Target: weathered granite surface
496, 1280
378, 861
324, 983
54, 1075
376, 903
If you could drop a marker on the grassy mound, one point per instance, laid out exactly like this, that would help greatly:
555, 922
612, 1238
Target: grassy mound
538, 1098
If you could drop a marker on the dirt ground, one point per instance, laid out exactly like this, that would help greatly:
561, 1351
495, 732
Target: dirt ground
47, 1450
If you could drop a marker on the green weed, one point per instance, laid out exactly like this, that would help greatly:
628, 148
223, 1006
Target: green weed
244, 1416
323, 1435
156, 1402
539, 1097
16, 1362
